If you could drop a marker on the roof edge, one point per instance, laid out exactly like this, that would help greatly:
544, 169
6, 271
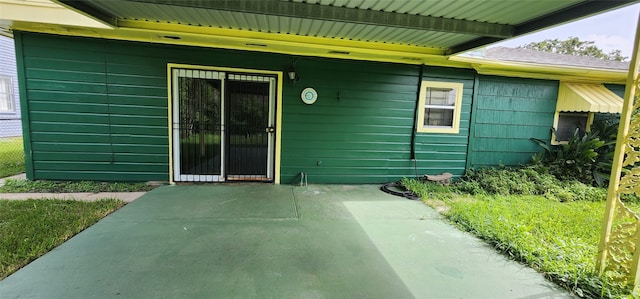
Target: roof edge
541, 71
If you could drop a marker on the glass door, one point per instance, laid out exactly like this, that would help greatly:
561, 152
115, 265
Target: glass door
250, 127
198, 122
223, 126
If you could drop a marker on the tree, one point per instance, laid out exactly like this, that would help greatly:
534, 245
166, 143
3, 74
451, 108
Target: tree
574, 46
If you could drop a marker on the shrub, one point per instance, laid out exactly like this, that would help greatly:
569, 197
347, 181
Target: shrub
586, 157
508, 181
529, 180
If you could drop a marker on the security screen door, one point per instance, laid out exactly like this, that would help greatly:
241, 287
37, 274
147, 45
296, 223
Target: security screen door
223, 126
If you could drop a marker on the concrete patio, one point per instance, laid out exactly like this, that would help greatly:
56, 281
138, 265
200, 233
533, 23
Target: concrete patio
266, 241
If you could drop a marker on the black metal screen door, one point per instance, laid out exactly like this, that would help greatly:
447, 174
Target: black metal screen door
249, 129
197, 125
222, 126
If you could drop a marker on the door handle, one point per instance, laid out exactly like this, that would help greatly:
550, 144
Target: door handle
270, 130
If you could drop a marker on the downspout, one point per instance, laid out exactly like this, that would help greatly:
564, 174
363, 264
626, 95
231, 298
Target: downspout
472, 121
412, 155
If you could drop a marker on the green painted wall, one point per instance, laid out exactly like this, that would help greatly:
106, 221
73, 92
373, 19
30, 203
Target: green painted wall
612, 117
616, 88
438, 153
359, 131
98, 111
507, 113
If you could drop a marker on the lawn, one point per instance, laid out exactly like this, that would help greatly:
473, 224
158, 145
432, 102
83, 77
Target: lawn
27, 186
31, 228
557, 238
11, 156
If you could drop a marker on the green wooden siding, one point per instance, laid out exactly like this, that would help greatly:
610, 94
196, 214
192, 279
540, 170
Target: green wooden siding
437, 152
616, 88
98, 111
508, 112
612, 117
88, 121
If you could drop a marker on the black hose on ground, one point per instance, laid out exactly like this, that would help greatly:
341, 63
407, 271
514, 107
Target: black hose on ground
397, 189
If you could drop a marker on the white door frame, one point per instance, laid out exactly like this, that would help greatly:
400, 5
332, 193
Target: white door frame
275, 117
204, 74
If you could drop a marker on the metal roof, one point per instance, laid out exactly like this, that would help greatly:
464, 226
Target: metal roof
400, 31
574, 97
553, 59
446, 27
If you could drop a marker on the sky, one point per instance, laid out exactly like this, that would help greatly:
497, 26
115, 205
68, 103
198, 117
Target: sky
611, 31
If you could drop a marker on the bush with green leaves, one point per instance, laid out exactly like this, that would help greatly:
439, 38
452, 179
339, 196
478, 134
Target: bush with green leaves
587, 156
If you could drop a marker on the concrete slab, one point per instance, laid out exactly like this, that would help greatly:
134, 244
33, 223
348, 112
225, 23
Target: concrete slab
247, 241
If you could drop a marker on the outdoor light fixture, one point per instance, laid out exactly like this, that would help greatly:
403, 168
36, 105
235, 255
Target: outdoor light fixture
291, 72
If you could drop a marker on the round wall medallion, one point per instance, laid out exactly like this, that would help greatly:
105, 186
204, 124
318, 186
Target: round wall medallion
309, 95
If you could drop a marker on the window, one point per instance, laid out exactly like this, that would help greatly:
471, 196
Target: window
566, 124
6, 95
439, 107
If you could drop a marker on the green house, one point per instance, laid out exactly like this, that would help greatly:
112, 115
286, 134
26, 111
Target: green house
336, 91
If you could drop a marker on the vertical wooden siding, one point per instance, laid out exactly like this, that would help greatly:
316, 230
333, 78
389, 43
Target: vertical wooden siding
507, 113
98, 111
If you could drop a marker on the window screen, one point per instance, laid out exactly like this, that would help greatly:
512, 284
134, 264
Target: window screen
440, 105
568, 122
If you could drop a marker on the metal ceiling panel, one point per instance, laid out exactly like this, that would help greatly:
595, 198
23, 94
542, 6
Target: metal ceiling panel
454, 25
492, 11
130, 10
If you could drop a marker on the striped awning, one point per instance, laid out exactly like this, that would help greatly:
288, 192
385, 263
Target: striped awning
577, 97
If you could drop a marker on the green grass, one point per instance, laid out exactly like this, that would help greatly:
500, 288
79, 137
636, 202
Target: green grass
31, 228
558, 239
11, 156
26, 186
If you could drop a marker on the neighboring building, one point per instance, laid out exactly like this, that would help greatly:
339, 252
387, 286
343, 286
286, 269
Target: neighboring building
232, 90
9, 95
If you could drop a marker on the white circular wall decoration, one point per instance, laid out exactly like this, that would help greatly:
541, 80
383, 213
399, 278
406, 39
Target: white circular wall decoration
309, 95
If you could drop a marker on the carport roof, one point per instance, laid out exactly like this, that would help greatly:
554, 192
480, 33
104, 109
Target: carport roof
442, 27
406, 31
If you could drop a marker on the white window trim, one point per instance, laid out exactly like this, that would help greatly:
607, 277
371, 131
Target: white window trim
556, 118
455, 128
10, 95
